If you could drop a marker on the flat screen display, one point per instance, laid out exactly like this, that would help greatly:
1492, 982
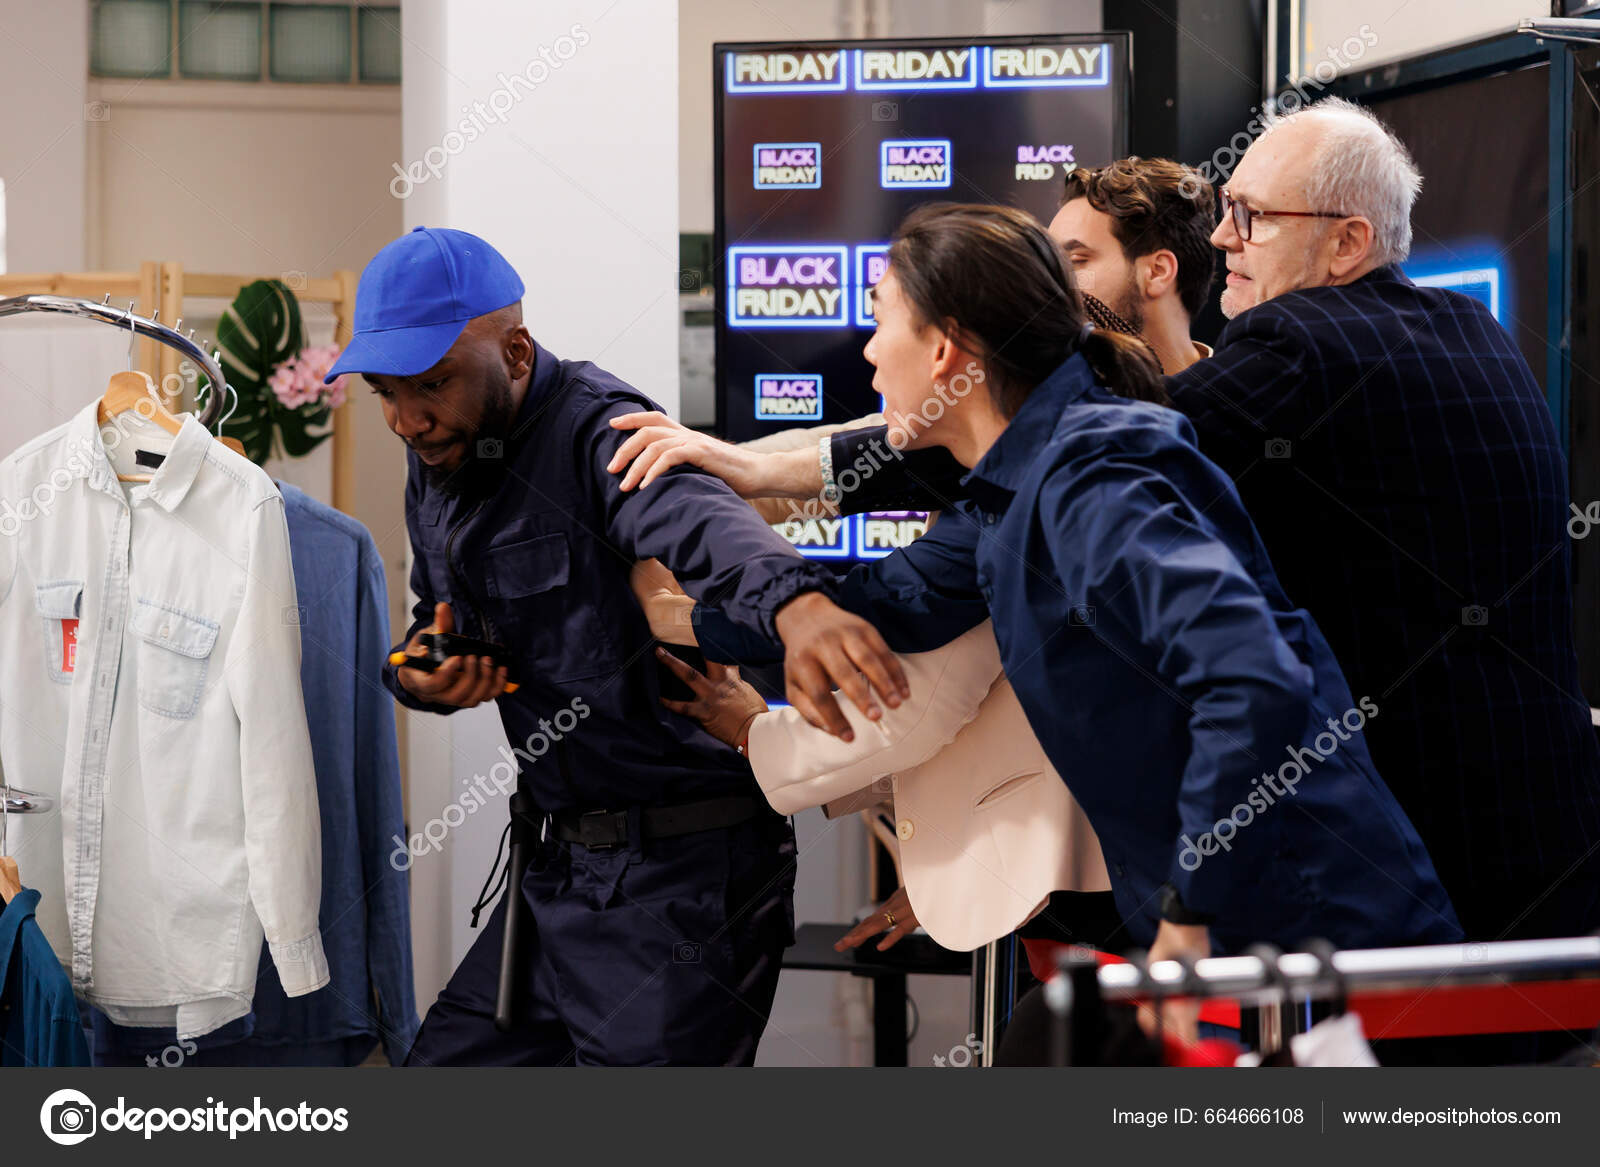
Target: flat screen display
822, 148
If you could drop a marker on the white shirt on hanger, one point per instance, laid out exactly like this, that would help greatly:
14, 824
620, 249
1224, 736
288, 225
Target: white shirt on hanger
152, 683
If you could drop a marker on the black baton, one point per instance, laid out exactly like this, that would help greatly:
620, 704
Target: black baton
510, 946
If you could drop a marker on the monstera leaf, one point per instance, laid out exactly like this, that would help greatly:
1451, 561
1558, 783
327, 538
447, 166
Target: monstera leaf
259, 331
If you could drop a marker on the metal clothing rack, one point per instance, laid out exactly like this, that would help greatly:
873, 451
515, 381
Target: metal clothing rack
19, 801
14, 800
1268, 980
126, 318
163, 289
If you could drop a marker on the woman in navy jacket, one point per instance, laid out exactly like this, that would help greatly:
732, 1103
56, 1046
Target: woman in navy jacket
1199, 718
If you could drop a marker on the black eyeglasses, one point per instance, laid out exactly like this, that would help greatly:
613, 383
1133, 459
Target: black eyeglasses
1244, 215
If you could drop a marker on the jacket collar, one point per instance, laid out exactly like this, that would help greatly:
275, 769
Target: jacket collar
1009, 459
1389, 273
543, 384
170, 481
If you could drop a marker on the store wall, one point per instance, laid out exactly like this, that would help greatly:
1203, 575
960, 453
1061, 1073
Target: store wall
44, 71
243, 177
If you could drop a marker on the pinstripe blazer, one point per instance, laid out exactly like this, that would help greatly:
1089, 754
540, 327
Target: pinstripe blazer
1402, 467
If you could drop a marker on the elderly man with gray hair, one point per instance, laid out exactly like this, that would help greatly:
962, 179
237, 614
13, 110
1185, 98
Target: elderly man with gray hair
1400, 461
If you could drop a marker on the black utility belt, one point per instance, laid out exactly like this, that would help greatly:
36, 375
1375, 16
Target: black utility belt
609, 828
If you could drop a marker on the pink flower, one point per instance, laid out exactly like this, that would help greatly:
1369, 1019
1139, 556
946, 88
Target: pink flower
297, 381
282, 384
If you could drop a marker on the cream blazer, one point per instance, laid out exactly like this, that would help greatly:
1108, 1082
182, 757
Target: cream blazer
987, 829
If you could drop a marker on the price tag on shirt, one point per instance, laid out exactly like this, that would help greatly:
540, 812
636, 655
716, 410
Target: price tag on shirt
69, 645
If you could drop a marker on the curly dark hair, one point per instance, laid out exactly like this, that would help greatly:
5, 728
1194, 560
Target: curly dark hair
1156, 204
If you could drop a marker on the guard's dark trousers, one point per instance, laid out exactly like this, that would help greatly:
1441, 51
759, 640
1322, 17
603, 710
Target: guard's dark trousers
661, 953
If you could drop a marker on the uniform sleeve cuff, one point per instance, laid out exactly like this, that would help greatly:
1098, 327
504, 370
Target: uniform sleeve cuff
302, 965
391, 681
791, 581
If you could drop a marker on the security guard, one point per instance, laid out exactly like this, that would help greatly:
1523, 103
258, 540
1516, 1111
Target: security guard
657, 898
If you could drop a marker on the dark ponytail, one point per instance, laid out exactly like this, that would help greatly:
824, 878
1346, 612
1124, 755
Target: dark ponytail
1125, 365
994, 279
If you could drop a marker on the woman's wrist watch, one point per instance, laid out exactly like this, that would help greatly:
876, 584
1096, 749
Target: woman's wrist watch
831, 493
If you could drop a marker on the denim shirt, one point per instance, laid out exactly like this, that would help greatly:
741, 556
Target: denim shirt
541, 568
39, 1024
343, 615
1167, 675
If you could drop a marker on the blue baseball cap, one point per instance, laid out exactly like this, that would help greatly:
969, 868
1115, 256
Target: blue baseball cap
416, 297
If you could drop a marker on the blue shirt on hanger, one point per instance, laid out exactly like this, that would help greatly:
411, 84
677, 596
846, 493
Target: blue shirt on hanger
39, 1023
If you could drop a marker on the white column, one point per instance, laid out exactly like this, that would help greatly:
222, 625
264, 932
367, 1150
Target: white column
44, 81
551, 130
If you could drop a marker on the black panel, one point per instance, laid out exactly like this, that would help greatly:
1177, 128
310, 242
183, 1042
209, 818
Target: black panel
1584, 434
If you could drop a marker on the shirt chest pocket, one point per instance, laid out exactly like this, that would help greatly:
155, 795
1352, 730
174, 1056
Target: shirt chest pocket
60, 604
174, 654
557, 628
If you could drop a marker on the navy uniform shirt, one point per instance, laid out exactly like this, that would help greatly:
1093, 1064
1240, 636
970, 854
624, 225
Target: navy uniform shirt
1166, 674
541, 568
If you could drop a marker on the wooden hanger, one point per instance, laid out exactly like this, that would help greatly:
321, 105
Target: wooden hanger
135, 392
127, 391
10, 880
